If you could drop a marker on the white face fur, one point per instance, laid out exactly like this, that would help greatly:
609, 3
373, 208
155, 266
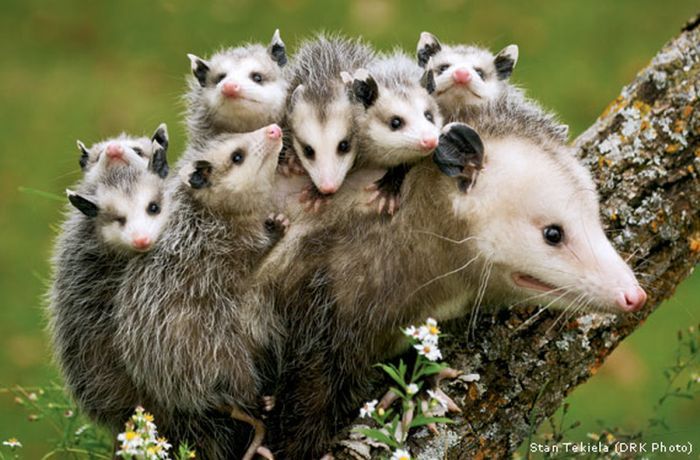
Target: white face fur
397, 127
127, 202
537, 221
465, 75
324, 144
234, 171
243, 89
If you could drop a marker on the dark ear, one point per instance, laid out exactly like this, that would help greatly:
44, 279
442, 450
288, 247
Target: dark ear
276, 50
460, 152
199, 178
428, 81
428, 46
158, 163
161, 136
200, 68
364, 88
84, 155
82, 204
505, 61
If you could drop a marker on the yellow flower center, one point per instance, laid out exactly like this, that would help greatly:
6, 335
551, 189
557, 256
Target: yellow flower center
434, 330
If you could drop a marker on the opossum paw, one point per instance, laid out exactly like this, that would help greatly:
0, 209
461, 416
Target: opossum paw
386, 202
388, 399
268, 403
276, 224
445, 401
312, 199
290, 166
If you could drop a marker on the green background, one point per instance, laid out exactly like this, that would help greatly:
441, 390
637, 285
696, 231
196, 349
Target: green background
89, 69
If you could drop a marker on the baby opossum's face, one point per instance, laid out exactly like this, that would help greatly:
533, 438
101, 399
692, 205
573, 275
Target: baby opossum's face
243, 88
465, 75
234, 171
127, 200
140, 149
398, 125
534, 216
323, 137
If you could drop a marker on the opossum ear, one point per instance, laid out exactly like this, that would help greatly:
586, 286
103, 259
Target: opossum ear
428, 46
199, 177
161, 136
505, 61
296, 94
346, 77
460, 154
364, 88
427, 81
158, 163
200, 68
84, 155
277, 49
82, 204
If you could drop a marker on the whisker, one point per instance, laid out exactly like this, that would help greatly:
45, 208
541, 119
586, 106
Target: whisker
445, 275
445, 238
539, 312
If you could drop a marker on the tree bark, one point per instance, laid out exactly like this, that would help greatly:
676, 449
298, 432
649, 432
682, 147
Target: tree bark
644, 152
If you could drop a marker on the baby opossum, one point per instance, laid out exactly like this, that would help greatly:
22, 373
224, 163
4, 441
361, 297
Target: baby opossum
237, 90
447, 251
465, 75
124, 144
398, 121
320, 112
195, 331
119, 211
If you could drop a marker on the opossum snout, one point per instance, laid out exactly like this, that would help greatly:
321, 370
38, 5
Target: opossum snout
632, 299
428, 143
230, 89
274, 132
461, 76
115, 152
141, 243
328, 187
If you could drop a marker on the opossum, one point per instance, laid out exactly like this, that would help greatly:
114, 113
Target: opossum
319, 118
398, 121
464, 237
195, 332
465, 75
237, 90
119, 211
143, 147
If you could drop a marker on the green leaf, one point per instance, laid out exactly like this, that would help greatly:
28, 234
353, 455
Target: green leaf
430, 368
394, 374
378, 435
421, 420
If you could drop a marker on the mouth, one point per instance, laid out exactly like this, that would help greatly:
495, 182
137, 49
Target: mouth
454, 86
530, 282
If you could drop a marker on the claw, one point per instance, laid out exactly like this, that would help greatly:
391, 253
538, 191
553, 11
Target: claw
256, 446
451, 405
268, 403
265, 453
388, 399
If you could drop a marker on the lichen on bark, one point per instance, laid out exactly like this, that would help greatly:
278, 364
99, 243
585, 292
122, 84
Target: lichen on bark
644, 152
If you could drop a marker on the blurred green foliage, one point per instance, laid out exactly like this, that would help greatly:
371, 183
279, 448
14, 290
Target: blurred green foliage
89, 69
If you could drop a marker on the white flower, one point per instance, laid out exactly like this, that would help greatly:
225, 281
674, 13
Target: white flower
13, 443
411, 331
429, 350
368, 409
412, 389
401, 454
438, 398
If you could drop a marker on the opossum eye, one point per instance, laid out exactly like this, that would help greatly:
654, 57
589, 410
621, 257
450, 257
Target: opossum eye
256, 77
138, 151
309, 152
395, 123
153, 208
238, 156
442, 68
219, 77
429, 116
479, 72
344, 146
120, 220
553, 234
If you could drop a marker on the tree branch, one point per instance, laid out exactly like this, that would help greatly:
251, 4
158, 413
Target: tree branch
644, 152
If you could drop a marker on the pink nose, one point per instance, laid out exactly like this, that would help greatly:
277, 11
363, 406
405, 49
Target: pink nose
428, 143
274, 132
327, 188
461, 76
632, 299
115, 152
230, 89
141, 242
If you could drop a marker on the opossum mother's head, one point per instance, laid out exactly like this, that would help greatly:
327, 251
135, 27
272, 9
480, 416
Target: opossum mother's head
533, 214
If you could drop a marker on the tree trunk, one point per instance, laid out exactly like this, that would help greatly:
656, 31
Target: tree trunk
644, 152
